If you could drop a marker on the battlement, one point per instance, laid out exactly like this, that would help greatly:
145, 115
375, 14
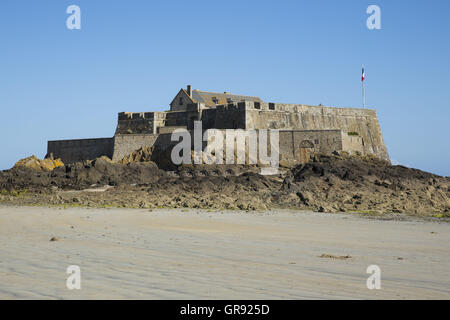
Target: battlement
233, 106
128, 116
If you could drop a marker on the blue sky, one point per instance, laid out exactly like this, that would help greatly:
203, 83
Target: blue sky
57, 83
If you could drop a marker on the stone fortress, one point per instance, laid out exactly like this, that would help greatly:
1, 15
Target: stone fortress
303, 129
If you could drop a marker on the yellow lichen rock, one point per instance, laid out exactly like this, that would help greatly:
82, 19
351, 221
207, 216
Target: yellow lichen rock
143, 154
37, 164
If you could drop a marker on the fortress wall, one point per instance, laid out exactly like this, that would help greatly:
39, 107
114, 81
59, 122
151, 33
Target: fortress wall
149, 122
231, 116
169, 129
290, 142
159, 120
208, 118
81, 149
290, 116
323, 141
135, 122
176, 119
139, 122
238, 142
324, 128
352, 144
124, 144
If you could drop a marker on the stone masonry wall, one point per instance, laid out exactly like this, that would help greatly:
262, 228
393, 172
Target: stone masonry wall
127, 143
230, 116
324, 128
290, 142
81, 149
323, 141
139, 122
124, 144
300, 117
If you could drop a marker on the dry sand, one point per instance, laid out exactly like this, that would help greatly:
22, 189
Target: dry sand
192, 254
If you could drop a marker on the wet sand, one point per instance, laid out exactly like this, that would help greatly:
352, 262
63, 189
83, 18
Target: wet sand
193, 254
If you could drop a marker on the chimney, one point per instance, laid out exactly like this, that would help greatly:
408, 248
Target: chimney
189, 90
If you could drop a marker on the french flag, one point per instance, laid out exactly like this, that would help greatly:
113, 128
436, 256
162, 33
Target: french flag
363, 75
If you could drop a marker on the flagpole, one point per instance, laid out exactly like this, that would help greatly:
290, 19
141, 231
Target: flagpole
363, 95
363, 90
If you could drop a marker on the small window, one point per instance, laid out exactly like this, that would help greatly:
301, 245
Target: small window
181, 101
215, 100
271, 106
257, 105
316, 141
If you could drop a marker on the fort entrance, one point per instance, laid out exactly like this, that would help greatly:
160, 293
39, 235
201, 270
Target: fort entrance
306, 148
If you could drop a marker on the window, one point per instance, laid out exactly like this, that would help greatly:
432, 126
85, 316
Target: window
215, 100
257, 105
316, 141
181, 101
229, 100
271, 106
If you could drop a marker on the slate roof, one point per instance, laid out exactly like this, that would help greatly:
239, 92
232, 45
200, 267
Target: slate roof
211, 99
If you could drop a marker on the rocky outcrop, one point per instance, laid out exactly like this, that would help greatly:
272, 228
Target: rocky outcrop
37, 164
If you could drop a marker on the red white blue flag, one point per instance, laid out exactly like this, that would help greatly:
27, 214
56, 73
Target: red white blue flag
363, 75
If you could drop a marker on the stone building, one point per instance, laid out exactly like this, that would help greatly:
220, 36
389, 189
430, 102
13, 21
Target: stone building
302, 129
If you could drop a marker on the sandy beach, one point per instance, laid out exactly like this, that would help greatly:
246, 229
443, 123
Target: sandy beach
196, 254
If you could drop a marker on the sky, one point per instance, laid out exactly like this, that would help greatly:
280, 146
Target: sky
133, 55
